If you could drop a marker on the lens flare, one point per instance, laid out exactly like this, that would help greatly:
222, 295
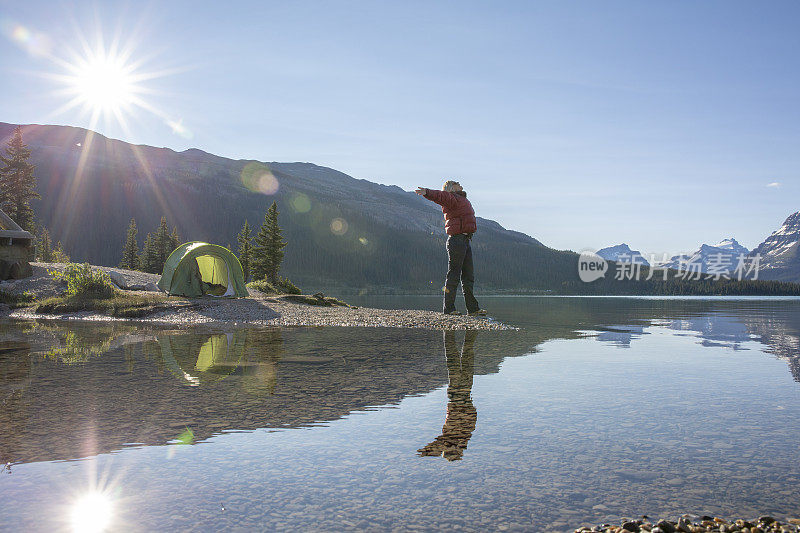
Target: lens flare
92, 513
300, 203
178, 128
33, 42
363, 241
338, 226
257, 177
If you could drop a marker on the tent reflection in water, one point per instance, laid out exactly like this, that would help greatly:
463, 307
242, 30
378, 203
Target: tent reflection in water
199, 268
197, 358
202, 358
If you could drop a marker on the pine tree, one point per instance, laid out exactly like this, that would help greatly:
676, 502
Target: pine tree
17, 182
277, 244
163, 243
148, 261
174, 240
130, 252
59, 255
245, 238
268, 249
44, 246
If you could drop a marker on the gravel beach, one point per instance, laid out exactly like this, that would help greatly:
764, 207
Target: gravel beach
256, 310
689, 523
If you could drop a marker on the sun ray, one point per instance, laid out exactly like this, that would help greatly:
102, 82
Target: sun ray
104, 79
71, 104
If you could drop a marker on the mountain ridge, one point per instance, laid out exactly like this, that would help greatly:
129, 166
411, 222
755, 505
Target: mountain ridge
344, 233
780, 251
720, 257
623, 253
386, 236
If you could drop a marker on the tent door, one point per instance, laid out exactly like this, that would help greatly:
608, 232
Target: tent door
214, 274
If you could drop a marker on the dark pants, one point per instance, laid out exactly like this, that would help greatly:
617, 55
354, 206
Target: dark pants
459, 268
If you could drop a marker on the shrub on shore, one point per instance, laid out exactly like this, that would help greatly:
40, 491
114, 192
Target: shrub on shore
92, 290
281, 286
83, 281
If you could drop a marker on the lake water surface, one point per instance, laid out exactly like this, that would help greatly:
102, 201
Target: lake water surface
596, 409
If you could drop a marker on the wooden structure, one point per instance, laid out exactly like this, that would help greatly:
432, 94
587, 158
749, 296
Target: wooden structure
17, 249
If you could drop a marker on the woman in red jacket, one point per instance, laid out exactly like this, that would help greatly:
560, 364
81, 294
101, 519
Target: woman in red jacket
460, 224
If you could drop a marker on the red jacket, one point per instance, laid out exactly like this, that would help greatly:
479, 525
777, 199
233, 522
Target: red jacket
459, 217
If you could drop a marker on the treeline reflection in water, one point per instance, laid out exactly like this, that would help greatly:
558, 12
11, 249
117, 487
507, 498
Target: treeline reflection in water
76, 390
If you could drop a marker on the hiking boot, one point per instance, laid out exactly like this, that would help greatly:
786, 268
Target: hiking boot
479, 312
454, 312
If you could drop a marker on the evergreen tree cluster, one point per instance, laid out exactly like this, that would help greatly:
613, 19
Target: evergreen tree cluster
17, 189
17, 182
155, 251
45, 252
261, 257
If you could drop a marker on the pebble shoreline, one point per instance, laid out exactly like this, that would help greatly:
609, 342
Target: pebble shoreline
268, 312
257, 310
689, 523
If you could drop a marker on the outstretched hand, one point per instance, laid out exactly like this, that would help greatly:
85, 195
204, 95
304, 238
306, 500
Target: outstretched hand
421, 191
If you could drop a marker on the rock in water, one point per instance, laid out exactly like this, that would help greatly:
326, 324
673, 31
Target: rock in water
665, 526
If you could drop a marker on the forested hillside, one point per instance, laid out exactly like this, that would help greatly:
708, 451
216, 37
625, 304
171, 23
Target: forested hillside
343, 233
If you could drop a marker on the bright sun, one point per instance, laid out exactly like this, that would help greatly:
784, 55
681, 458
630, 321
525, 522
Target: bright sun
104, 83
109, 82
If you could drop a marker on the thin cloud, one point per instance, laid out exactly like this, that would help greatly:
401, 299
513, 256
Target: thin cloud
774, 184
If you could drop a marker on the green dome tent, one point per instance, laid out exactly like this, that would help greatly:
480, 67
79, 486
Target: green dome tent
198, 268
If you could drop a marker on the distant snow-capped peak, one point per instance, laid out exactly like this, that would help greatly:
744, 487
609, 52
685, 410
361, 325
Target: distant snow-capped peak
723, 256
622, 253
732, 245
782, 242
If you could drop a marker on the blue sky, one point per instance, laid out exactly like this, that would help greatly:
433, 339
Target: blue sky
584, 124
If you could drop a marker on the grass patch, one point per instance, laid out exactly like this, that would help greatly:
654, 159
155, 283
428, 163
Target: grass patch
316, 299
16, 300
282, 286
120, 304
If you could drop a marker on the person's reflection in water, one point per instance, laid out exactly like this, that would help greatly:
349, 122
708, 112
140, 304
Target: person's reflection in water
461, 414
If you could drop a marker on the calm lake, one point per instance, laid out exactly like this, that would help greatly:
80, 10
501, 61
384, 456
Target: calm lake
596, 409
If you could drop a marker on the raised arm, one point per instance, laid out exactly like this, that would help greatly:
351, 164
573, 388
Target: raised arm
442, 198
